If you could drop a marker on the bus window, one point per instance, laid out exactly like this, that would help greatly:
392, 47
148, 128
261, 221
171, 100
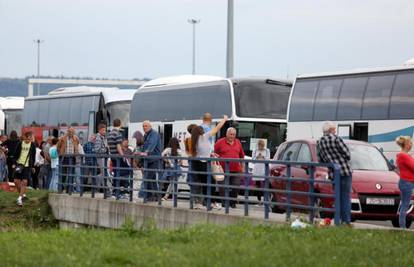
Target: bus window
261, 99
361, 131
301, 105
377, 97
274, 133
350, 98
326, 100
403, 97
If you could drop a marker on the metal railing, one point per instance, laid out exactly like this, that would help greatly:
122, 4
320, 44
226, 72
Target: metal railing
131, 176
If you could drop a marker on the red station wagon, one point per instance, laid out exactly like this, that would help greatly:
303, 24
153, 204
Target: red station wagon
375, 194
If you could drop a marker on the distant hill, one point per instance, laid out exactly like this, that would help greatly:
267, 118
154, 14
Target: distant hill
18, 86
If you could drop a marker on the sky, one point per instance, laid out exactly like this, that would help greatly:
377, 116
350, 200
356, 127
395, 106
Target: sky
128, 39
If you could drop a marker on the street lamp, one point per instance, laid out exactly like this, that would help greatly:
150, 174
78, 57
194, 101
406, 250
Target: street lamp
193, 22
230, 33
38, 42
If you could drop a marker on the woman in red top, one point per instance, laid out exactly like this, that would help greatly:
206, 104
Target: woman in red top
405, 164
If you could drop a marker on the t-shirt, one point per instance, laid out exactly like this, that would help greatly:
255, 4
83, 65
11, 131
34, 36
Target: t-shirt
24, 154
203, 146
54, 158
114, 139
230, 151
405, 164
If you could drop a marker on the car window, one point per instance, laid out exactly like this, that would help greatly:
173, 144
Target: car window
304, 154
279, 152
290, 152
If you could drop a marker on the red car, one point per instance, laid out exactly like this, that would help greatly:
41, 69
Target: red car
375, 194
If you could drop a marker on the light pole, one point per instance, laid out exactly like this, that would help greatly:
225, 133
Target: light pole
193, 22
38, 41
230, 33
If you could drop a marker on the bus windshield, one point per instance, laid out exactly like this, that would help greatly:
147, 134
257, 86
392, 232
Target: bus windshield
261, 98
249, 132
13, 120
119, 110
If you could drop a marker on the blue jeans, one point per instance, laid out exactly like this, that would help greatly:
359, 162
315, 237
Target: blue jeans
406, 189
346, 185
53, 186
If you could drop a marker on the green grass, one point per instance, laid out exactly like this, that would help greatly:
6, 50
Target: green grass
29, 237
208, 245
34, 215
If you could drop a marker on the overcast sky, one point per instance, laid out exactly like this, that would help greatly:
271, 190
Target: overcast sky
152, 38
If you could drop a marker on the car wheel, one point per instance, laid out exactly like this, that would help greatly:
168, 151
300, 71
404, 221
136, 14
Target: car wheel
396, 223
275, 208
317, 205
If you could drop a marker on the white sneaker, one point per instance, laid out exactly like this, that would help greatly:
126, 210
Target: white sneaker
24, 196
198, 206
19, 201
217, 206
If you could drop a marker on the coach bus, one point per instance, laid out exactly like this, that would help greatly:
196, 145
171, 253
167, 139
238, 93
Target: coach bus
80, 107
11, 110
373, 105
256, 107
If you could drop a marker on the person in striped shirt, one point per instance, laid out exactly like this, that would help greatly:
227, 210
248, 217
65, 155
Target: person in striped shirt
115, 148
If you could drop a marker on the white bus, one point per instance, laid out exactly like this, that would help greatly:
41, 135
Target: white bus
373, 105
80, 107
256, 106
11, 110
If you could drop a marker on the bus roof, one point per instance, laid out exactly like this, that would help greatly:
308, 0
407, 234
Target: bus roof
121, 95
181, 79
192, 79
82, 90
11, 102
111, 94
356, 71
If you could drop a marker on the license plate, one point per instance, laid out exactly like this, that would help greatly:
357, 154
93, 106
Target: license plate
380, 201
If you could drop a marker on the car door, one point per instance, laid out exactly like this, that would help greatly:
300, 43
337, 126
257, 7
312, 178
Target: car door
289, 154
302, 172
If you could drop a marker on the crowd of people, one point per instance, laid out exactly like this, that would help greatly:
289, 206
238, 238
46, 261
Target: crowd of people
27, 163
111, 162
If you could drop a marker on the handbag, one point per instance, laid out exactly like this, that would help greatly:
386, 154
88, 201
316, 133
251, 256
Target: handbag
218, 170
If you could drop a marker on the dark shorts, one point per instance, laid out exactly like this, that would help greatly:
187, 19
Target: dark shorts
24, 175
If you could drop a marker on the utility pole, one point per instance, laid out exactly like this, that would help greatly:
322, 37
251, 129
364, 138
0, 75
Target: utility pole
194, 22
230, 35
38, 42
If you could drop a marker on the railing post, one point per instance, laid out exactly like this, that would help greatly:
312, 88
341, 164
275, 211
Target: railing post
311, 192
71, 174
266, 192
117, 177
209, 185
175, 184
246, 189
144, 180
60, 175
288, 189
105, 177
81, 178
131, 179
226, 186
94, 174
161, 185
190, 182
337, 185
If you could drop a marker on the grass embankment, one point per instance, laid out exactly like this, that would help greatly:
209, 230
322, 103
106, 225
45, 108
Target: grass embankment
34, 215
203, 245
